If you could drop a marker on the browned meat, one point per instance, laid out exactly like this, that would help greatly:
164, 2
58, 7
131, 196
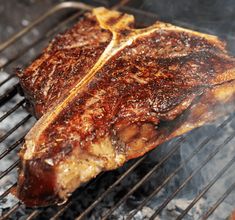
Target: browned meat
64, 62
148, 86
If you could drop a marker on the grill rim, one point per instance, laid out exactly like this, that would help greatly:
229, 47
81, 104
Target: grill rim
13, 91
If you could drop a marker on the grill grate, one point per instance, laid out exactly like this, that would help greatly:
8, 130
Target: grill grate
123, 174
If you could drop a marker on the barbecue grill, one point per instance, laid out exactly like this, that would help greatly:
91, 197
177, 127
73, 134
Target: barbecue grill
167, 183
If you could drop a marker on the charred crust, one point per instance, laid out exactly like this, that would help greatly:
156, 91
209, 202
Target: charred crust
20, 90
19, 71
37, 183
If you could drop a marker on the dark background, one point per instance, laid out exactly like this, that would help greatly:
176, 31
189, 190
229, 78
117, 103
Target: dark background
216, 16
15, 14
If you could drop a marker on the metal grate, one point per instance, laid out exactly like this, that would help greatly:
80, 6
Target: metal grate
115, 182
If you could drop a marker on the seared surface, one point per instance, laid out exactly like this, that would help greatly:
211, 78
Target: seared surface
147, 87
63, 63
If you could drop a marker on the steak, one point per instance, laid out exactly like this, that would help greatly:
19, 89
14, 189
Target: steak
106, 93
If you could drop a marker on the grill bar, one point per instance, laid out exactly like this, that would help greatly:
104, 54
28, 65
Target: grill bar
38, 41
34, 214
167, 180
9, 169
12, 147
8, 94
13, 209
219, 201
24, 120
210, 156
61, 211
5, 80
120, 4
7, 191
203, 192
13, 91
12, 110
75, 5
47, 35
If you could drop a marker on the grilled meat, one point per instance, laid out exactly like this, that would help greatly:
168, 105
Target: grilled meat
66, 60
108, 93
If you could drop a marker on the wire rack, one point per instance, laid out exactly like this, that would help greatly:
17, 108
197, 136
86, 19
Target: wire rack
12, 103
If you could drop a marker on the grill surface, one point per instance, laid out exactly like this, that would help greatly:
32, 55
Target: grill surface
115, 190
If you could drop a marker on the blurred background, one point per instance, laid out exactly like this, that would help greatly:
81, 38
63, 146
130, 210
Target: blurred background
216, 15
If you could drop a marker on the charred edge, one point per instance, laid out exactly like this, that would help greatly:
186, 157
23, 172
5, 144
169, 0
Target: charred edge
20, 90
30, 108
19, 71
36, 184
29, 103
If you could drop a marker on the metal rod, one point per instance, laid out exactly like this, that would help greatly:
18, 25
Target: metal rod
5, 80
7, 191
208, 186
34, 214
61, 210
13, 209
21, 33
63, 5
219, 201
2, 138
12, 147
210, 156
9, 169
146, 177
44, 37
182, 164
14, 108
8, 94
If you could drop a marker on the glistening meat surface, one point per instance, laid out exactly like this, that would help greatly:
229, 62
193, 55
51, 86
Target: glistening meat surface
137, 89
63, 63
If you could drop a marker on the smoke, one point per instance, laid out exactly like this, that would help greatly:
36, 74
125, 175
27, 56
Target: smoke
198, 183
